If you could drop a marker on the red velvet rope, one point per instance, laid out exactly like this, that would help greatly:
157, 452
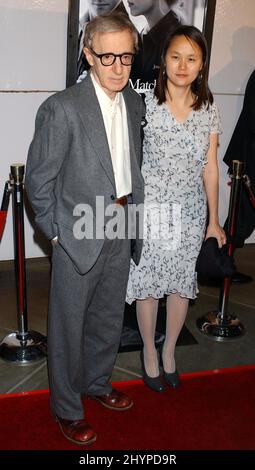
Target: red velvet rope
3, 215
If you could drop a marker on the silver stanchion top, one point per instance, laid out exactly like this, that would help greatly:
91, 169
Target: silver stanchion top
17, 172
237, 169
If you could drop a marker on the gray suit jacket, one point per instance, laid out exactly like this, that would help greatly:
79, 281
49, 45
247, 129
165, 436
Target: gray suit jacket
69, 163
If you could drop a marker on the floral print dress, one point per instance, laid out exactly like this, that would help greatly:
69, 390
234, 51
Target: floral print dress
175, 155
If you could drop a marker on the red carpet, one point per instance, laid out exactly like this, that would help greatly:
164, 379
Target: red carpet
212, 410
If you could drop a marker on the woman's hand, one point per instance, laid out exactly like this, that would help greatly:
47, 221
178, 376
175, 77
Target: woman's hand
216, 231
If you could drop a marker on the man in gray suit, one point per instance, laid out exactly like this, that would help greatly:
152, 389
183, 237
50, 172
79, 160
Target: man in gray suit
87, 150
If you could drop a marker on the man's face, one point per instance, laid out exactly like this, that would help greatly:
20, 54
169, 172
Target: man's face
142, 7
101, 7
115, 77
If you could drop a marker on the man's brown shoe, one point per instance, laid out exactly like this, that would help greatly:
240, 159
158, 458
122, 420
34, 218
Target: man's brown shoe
78, 431
115, 400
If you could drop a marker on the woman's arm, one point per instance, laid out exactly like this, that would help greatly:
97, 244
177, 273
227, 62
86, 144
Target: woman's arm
211, 182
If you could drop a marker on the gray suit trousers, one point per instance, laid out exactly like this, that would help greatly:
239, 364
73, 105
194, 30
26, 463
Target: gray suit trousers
85, 324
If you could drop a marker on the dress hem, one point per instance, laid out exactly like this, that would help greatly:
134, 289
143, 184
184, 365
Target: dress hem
157, 297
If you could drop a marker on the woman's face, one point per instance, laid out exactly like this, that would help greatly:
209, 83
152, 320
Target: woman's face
101, 7
142, 7
184, 61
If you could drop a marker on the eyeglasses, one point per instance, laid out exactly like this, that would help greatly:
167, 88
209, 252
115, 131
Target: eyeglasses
107, 59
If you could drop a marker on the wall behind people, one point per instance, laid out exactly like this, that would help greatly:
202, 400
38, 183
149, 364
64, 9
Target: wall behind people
33, 62
232, 61
33, 66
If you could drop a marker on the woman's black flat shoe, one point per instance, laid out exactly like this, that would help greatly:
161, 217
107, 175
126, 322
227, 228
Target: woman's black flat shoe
172, 379
154, 383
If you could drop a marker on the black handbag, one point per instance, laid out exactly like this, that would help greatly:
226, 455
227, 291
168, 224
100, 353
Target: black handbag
214, 262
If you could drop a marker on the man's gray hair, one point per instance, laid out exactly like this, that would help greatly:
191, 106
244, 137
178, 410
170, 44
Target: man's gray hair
109, 24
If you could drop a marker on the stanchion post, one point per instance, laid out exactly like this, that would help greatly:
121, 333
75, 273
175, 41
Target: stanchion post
21, 347
17, 176
220, 325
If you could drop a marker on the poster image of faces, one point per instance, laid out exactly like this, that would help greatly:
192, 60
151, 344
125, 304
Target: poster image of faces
153, 19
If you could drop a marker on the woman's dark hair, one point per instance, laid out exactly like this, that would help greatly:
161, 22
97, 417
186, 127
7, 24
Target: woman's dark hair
200, 86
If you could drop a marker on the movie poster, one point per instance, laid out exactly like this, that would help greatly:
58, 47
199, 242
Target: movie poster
153, 19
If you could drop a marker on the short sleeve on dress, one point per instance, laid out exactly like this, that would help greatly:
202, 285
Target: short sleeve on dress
214, 120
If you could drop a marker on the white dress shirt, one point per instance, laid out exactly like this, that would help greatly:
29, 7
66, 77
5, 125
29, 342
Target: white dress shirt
115, 120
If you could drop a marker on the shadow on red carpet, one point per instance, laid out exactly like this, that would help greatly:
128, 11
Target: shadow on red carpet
210, 411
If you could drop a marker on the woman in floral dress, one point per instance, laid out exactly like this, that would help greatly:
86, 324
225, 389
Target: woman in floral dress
181, 181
